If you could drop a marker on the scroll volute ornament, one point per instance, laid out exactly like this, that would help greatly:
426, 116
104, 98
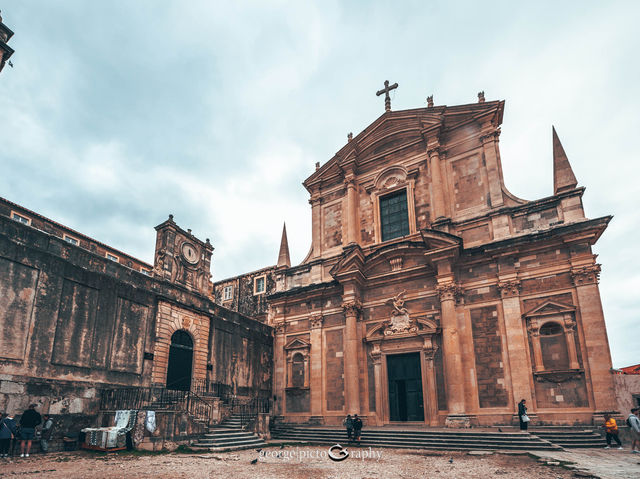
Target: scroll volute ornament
586, 275
509, 289
315, 321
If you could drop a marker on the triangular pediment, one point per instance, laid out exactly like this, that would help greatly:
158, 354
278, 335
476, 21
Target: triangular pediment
352, 262
298, 343
550, 307
395, 130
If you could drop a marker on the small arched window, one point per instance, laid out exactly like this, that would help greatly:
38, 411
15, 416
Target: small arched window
297, 371
554, 347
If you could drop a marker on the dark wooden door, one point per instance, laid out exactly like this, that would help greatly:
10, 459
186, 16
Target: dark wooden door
405, 387
180, 361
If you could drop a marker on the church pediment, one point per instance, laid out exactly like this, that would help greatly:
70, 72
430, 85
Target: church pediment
298, 343
352, 263
550, 308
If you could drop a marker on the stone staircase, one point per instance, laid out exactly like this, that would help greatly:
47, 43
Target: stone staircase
440, 439
227, 436
572, 439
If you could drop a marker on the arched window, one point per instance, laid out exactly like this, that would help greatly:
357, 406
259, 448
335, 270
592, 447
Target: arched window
554, 347
297, 371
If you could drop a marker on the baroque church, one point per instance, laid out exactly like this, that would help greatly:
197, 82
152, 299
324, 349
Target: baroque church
430, 295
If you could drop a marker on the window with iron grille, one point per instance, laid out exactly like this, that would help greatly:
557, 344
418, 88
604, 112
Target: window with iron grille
227, 293
394, 216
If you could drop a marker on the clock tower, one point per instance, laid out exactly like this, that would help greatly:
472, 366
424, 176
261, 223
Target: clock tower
182, 258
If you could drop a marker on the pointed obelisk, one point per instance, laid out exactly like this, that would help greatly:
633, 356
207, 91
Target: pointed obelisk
283, 255
563, 177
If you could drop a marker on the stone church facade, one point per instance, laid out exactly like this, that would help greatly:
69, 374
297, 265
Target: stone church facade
433, 295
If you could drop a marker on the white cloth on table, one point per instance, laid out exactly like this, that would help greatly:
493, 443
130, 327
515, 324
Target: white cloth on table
150, 422
110, 437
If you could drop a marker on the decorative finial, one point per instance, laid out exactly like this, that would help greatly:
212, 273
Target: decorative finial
481, 96
189, 231
387, 98
430, 101
350, 137
317, 165
170, 217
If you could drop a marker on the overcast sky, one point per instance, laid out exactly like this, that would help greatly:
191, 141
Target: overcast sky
118, 113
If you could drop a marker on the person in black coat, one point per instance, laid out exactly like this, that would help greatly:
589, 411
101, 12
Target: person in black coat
522, 415
357, 427
28, 422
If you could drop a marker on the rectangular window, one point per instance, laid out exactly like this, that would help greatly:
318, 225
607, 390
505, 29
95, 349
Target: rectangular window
71, 239
112, 257
394, 215
20, 218
259, 285
227, 293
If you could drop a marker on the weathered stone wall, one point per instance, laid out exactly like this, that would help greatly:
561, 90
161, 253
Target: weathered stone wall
74, 322
627, 392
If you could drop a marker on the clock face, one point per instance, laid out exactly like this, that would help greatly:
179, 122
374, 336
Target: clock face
190, 253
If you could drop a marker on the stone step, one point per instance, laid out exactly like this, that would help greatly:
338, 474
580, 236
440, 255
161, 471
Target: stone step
443, 441
405, 433
575, 439
232, 433
227, 442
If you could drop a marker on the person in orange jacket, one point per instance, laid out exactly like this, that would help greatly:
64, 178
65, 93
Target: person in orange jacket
611, 430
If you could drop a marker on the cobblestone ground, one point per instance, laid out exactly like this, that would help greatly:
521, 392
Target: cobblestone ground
312, 462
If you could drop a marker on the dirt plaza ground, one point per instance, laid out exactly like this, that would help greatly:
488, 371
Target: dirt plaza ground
313, 462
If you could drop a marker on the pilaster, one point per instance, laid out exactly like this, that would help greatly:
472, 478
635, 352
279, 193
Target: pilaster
585, 279
352, 310
517, 346
316, 364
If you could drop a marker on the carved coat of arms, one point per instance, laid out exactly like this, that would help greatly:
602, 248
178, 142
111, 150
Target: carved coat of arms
400, 322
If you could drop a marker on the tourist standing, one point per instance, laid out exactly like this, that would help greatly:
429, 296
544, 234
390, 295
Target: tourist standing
28, 422
47, 429
522, 415
634, 429
7, 432
611, 431
357, 428
348, 423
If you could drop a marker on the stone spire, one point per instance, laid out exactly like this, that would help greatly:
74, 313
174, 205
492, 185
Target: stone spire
563, 177
283, 255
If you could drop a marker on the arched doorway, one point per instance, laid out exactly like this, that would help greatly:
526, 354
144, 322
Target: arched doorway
180, 361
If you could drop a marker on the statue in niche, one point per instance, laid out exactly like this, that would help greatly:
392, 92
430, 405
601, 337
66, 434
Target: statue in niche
399, 321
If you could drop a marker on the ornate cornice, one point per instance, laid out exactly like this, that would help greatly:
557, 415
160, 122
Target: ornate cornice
448, 291
352, 308
280, 327
586, 275
490, 136
315, 321
509, 289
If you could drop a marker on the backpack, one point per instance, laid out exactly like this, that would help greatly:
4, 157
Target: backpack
629, 421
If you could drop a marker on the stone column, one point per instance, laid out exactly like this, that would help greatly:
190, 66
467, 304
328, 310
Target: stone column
376, 358
431, 397
436, 183
315, 203
490, 149
351, 354
570, 336
316, 365
534, 333
352, 226
517, 346
279, 363
585, 279
454, 378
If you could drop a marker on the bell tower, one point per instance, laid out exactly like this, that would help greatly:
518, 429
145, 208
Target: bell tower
182, 258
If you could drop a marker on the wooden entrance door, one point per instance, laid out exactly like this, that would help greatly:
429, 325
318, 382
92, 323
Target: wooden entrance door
180, 361
405, 387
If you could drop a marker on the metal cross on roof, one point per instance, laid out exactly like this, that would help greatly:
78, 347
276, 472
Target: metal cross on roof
387, 98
